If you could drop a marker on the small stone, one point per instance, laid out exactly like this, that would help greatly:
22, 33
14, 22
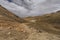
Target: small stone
32, 20
9, 33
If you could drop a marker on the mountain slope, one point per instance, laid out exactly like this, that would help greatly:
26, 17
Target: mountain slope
15, 28
11, 27
10, 15
48, 22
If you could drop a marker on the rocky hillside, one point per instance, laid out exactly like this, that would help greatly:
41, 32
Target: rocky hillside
46, 27
11, 27
48, 22
10, 15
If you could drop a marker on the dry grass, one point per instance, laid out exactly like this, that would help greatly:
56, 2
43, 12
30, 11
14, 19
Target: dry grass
32, 28
48, 22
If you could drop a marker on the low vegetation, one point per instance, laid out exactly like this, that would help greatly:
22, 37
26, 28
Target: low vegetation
48, 22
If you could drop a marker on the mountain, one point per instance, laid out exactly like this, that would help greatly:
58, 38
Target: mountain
13, 27
10, 15
47, 22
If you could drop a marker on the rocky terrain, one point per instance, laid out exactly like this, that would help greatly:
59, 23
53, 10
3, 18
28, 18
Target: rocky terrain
46, 27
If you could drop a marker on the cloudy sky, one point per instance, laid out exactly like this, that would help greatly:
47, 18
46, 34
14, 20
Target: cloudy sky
24, 8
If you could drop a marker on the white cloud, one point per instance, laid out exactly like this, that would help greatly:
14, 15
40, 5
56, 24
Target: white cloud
38, 7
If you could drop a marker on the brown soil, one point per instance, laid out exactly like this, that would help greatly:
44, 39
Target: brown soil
13, 27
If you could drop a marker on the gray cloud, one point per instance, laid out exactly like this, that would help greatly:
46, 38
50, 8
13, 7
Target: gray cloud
24, 8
